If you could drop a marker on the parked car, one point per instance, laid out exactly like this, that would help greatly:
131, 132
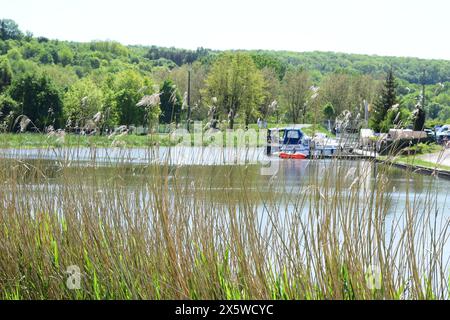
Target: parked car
431, 134
443, 134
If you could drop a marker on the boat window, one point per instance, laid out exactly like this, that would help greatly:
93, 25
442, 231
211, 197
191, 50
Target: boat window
293, 134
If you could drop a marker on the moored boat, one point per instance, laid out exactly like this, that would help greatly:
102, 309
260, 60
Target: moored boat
293, 143
298, 156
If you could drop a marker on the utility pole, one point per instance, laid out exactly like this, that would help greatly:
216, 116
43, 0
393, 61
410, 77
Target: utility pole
423, 89
366, 112
189, 98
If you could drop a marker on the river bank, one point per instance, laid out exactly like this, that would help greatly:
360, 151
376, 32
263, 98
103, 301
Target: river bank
58, 140
436, 163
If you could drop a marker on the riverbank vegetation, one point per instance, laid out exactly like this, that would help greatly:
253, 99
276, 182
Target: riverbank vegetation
417, 163
413, 157
216, 232
57, 140
60, 139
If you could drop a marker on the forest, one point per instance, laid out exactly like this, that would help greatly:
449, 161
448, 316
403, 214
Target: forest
47, 83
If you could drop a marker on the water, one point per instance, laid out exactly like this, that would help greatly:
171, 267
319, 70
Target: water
179, 155
227, 176
288, 176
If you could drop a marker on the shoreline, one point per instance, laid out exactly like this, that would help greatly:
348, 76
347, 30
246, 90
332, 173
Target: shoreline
416, 168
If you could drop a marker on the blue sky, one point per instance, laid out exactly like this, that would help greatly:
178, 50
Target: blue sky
385, 27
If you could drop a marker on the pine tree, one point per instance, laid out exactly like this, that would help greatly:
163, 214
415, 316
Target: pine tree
386, 101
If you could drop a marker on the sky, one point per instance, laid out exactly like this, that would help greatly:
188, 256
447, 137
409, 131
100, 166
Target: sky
413, 28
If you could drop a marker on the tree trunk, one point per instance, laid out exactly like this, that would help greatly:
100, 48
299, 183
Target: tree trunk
294, 116
304, 115
232, 122
232, 115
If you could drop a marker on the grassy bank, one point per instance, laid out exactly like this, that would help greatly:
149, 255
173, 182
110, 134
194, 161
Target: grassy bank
414, 161
412, 157
213, 233
36, 140
309, 129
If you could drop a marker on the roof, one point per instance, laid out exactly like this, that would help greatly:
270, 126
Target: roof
286, 128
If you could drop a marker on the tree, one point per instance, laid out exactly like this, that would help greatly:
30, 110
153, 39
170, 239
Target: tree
433, 110
64, 78
128, 88
9, 30
5, 73
65, 56
336, 89
32, 50
170, 103
328, 111
296, 90
178, 56
383, 104
419, 118
7, 108
237, 85
199, 73
45, 57
38, 99
270, 61
347, 91
151, 106
272, 92
82, 102
396, 117
445, 114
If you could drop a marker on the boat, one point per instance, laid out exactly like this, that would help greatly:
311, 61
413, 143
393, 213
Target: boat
293, 143
298, 156
288, 143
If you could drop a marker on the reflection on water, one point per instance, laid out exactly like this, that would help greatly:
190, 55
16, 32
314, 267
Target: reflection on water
318, 202
174, 155
292, 176
289, 173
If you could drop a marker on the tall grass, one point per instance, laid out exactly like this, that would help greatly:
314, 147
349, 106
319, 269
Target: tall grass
159, 231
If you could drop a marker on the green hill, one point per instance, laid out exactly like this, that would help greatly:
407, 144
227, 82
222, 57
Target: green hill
111, 66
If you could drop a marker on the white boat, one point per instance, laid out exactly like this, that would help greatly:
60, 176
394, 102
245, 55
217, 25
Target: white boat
293, 143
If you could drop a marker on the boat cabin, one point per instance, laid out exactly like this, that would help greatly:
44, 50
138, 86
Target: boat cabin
287, 140
293, 136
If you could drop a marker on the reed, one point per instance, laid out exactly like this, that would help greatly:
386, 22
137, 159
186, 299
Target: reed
162, 231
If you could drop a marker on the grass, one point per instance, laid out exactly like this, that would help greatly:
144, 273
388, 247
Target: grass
215, 232
36, 140
422, 148
411, 157
309, 130
413, 161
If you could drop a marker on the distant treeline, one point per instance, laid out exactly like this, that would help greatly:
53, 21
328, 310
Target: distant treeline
70, 84
408, 69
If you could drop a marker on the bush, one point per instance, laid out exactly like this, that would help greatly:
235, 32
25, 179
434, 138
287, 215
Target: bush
420, 148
